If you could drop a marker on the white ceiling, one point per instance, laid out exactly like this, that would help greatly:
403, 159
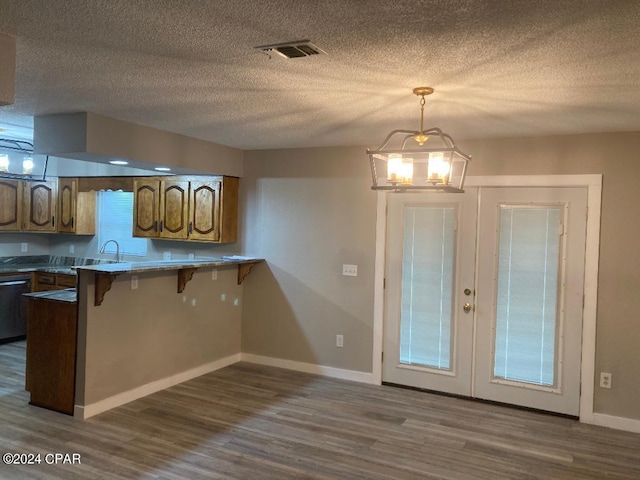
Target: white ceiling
499, 68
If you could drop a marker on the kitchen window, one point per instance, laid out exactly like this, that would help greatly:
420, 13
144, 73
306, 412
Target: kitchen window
115, 222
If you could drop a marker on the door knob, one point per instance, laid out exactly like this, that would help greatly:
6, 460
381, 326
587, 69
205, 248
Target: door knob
467, 307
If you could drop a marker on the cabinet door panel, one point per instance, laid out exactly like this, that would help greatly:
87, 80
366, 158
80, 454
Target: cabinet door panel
174, 209
40, 203
204, 212
10, 205
146, 202
67, 205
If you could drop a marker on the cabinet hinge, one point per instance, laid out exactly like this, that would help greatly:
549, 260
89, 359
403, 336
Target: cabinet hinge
382, 357
384, 283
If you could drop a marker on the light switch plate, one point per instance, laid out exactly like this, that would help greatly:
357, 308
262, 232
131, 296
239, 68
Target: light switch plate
214, 274
350, 270
134, 282
339, 341
24, 247
72, 248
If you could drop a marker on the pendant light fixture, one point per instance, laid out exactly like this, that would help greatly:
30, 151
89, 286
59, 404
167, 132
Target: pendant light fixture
422, 160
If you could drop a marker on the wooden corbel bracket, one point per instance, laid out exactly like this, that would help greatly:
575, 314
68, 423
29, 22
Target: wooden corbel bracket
184, 275
103, 285
243, 270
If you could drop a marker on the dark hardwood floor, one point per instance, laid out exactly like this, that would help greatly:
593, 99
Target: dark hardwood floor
252, 422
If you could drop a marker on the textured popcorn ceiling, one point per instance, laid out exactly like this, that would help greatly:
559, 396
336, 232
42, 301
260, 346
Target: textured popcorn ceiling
499, 68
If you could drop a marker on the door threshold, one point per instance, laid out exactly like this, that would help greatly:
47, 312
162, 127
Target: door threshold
481, 400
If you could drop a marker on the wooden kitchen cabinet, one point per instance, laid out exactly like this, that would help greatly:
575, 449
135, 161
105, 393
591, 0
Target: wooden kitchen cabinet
186, 208
51, 354
146, 207
76, 210
40, 204
11, 199
204, 211
44, 281
174, 209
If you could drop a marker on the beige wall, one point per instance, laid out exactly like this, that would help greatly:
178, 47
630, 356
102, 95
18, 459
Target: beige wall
139, 336
308, 211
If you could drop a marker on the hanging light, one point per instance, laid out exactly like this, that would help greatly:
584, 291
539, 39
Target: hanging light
4, 162
425, 159
27, 165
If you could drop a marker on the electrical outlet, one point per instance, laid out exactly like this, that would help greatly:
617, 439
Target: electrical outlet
134, 282
192, 256
72, 248
350, 270
166, 256
236, 302
340, 341
214, 274
24, 247
605, 380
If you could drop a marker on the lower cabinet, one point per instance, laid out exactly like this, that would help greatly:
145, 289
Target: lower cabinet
43, 281
51, 354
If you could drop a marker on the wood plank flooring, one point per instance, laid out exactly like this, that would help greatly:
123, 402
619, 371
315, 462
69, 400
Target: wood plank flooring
253, 422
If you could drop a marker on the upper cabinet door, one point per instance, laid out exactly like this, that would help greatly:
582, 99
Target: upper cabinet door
174, 209
67, 191
204, 211
146, 208
10, 205
40, 203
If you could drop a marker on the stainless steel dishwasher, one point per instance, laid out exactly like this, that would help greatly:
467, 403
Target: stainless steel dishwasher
13, 306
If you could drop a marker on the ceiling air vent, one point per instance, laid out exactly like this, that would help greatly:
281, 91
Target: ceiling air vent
301, 48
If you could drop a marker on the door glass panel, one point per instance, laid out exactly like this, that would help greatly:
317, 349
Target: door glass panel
527, 293
427, 284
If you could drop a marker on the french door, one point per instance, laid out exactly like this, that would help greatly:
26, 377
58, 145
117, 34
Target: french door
484, 294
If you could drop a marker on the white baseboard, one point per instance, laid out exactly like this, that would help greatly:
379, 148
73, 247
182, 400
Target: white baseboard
86, 411
362, 377
619, 423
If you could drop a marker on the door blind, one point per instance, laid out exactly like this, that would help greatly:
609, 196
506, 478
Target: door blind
427, 283
527, 291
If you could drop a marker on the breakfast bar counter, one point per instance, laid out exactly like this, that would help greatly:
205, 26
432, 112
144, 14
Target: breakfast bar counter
145, 326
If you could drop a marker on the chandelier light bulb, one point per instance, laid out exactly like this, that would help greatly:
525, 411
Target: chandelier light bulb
438, 169
406, 171
394, 165
27, 165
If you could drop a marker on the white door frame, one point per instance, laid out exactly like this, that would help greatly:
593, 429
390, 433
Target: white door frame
593, 183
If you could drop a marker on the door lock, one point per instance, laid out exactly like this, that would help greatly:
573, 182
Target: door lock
467, 307
467, 291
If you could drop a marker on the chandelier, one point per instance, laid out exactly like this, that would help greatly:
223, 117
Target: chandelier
426, 159
16, 159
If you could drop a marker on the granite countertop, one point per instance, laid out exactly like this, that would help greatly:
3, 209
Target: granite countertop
165, 265
68, 295
36, 268
44, 263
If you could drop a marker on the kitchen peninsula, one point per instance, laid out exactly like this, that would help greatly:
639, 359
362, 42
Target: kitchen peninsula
143, 327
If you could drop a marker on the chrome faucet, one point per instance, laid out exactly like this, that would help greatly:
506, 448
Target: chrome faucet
117, 249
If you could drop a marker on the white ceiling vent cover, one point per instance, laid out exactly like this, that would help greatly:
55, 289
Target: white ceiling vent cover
301, 48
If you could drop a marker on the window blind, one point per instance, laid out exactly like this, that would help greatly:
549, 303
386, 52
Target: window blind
115, 214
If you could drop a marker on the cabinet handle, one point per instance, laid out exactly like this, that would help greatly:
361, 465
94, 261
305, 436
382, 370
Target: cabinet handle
71, 222
155, 225
53, 221
161, 225
190, 228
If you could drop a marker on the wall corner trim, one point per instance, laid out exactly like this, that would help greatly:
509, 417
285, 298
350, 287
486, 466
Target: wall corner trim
86, 411
353, 375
